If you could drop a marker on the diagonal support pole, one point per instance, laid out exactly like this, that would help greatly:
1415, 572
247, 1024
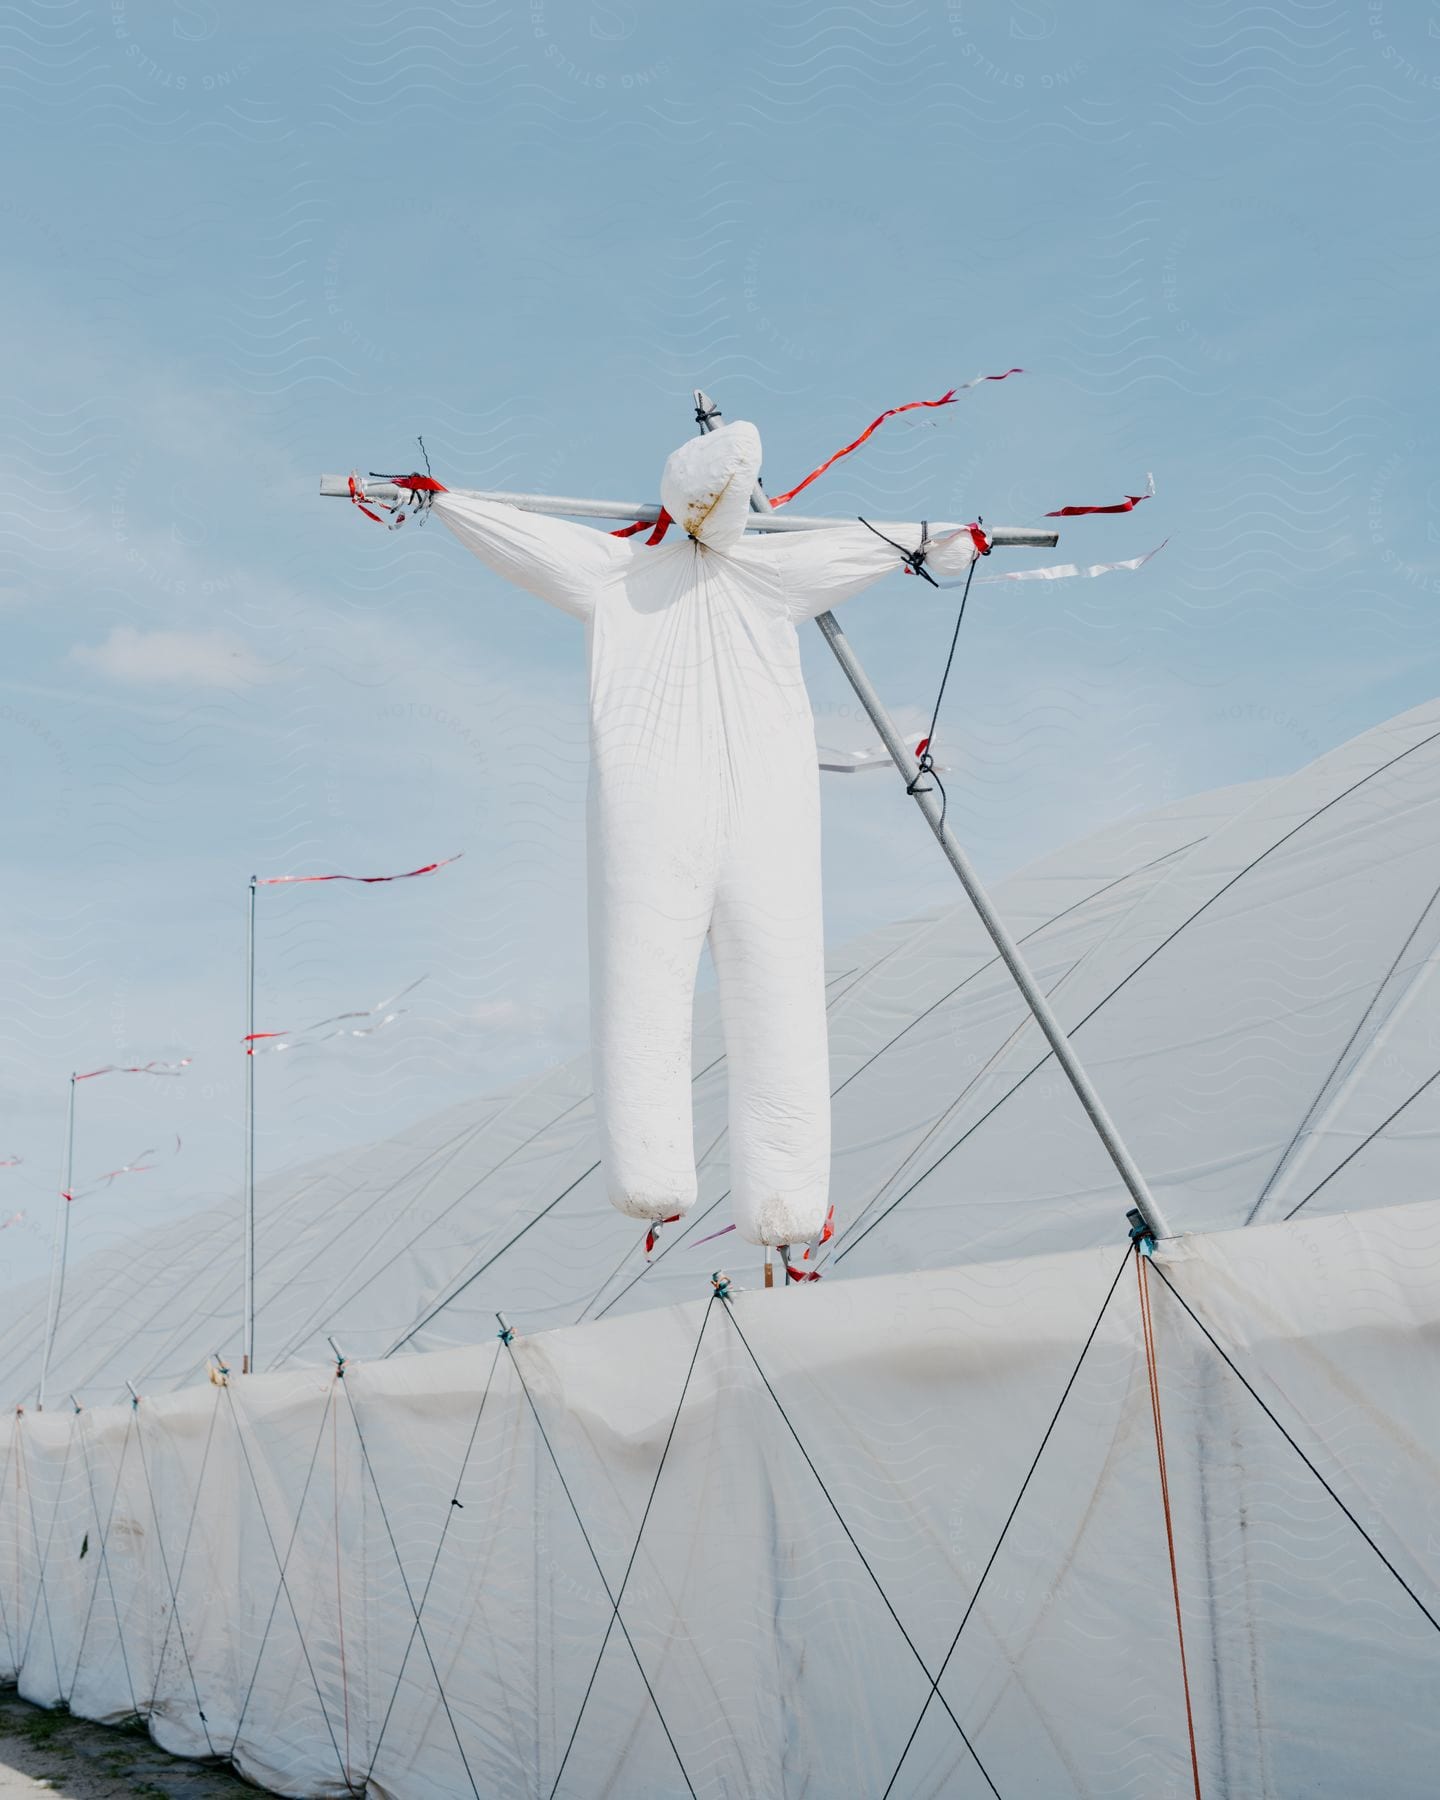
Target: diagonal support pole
1009, 952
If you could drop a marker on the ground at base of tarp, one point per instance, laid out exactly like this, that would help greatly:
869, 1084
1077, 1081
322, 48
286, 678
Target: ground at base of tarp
55, 1753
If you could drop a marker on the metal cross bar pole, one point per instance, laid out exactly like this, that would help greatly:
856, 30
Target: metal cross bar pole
337, 487
1009, 952
58, 1251
247, 1360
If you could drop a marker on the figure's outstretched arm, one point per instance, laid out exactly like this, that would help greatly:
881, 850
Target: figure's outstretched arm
558, 561
818, 569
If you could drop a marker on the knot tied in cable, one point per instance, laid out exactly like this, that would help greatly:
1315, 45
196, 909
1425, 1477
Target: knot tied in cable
924, 765
913, 560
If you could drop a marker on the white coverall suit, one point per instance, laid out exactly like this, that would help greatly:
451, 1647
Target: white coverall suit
704, 819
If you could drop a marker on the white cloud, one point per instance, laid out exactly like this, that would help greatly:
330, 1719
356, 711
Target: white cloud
194, 658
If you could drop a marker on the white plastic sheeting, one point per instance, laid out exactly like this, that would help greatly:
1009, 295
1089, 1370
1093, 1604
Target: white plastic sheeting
245, 1565
1251, 978
1287, 1060
704, 819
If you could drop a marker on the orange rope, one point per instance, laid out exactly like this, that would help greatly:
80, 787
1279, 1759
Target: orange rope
1142, 1275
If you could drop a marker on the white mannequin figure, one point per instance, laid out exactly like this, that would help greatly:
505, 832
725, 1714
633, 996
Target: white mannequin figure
704, 818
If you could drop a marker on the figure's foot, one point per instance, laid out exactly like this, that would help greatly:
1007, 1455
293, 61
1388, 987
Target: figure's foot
797, 1270
653, 1203
654, 1232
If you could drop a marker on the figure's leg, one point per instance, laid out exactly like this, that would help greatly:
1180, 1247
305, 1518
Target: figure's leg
648, 916
767, 939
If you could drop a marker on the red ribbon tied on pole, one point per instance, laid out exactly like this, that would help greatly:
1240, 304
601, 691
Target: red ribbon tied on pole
658, 530
421, 488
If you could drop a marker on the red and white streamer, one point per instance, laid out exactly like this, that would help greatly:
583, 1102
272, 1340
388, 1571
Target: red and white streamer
946, 399
367, 880
307, 1036
136, 1166
150, 1068
1069, 571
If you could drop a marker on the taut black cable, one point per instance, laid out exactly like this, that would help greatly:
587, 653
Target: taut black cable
1143, 963
599, 1569
1219, 1349
4, 1489
1009, 1521
42, 1597
102, 1563
185, 1551
170, 1585
639, 1535
855, 1545
449, 1514
926, 759
281, 1565
405, 1583
1388, 1120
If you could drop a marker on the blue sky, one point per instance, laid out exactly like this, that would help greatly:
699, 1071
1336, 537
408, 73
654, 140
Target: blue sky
254, 244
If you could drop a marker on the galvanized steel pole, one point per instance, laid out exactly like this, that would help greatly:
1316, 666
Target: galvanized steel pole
568, 506
247, 1362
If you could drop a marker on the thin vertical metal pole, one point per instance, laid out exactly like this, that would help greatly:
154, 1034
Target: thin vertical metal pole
1105, 1128
59, 1250
247, 1363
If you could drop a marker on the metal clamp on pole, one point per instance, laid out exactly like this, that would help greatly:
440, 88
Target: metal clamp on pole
1009, 952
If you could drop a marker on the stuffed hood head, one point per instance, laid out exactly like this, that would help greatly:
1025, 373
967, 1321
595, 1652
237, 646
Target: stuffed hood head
707, 484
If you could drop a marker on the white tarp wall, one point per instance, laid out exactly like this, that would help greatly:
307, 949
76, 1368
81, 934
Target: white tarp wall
244, 1565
